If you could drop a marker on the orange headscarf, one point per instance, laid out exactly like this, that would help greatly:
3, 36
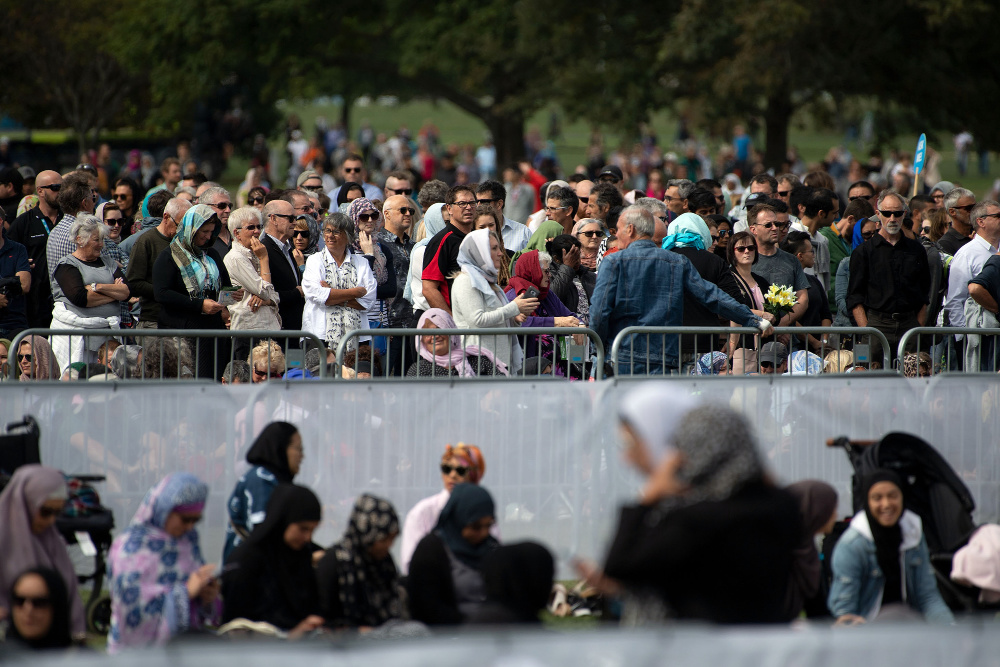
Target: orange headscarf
468, 455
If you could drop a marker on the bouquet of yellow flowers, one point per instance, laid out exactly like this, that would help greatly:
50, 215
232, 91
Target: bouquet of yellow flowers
779, 300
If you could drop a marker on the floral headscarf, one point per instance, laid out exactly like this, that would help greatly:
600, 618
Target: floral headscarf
357, 207
198, 270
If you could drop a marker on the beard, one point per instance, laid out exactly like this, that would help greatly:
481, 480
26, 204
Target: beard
893, 227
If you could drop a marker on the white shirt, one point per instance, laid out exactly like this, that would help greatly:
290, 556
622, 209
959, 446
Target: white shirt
314, 311
285, 248
966, 265
515, 235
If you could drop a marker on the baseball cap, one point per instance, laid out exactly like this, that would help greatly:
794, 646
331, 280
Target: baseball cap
305, 176
773, 353
27, 173
611, 170
754, 199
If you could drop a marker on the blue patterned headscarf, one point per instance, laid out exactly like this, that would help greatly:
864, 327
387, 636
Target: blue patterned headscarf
177, 490
801, 362
198, 270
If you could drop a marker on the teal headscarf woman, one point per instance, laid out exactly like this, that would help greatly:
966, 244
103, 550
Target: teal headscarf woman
198, 270
688, 231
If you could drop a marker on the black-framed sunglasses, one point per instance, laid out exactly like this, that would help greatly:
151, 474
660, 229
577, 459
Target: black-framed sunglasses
461, 471
724, 232
24, 357
251, 228
591, 234
401, 191
55, 187
256, 200
115, 222
367, 217
283, 215
224, 205
301, 232
36, 602
406, 210
867, 235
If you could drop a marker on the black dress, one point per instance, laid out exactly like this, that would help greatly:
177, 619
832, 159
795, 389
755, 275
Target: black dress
424, 368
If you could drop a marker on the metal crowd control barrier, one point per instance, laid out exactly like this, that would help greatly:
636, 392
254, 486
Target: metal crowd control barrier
573, 358
694, 342
182, 354
953, 349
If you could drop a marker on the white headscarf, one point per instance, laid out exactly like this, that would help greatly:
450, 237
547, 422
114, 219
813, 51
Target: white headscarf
654, 410
477, 262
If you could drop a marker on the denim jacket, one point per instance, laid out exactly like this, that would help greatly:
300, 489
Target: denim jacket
644, 285
858, 581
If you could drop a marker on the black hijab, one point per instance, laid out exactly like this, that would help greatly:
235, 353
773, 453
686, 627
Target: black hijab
467, 504
887, 540
817, 502
270, 450
345, 189
58, 635
519, 577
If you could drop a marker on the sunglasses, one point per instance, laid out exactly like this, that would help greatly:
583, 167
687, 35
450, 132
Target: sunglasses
783, 193
367, 217
609, 179
857, 197
406, 210
892, 214
925, 230
48, 512
553, 209
744, 248
313, 188
36, 603
715, 239
402, 191
115, 222
591, 234
867, 235
584, 200
459, 470
487, 201
283, 215
253, 200
352, 170
766, 364
24, 357
56, 187
723, 232
301, 232
768, 225
251, 228
224, 205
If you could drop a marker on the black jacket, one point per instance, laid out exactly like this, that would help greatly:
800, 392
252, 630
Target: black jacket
286, 280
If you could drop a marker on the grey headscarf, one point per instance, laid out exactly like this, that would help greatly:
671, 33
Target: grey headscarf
125, 361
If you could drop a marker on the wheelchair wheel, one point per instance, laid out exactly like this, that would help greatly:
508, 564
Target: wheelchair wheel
99, 615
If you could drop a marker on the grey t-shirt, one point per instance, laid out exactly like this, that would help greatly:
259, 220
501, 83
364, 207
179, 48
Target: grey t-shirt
781, 268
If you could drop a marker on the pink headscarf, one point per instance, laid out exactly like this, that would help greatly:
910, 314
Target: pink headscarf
43, 363
457, 357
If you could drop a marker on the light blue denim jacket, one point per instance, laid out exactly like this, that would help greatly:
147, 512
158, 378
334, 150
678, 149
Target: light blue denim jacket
644, 285
858, 580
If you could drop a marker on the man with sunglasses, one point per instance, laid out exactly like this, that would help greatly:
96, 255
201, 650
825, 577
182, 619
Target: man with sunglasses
583, 189
31, 229
279, 221
398, 183
352, 169
959, 203
970, 258
398, 214
889, 278
774, 264
218, 198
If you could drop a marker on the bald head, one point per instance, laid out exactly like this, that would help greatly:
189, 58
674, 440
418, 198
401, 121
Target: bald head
583, 189
48, 199
398, 213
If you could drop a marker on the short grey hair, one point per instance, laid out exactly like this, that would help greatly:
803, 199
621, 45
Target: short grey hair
652, 204
544, 259
86, 226
885, 194
979, 210
186, 190
951, 199
340, 222
242, 216
683, 185
640, 218
176, 208
237, 370
212, 194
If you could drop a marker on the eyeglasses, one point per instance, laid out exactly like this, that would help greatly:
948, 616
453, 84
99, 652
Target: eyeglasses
938, 197
115, 222
283, 215
867, 235
661, 218
301, 232
892, 214
991, 215
591, 234
446, 469
964, 208
367, 217
469, 203
253, 200
224, 205
744, 248
401, 191
24, 357
251, 228
406, 210
56, 187
352, 170
668, 198
333, 232
48, 512
553, 209
36, 602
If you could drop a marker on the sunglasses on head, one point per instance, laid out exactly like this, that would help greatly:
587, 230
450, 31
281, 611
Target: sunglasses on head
256, 200
459, 470
367, 217
36, 602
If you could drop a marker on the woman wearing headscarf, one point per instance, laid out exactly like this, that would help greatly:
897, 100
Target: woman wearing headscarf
348, 192
187, 279
532, 271
882, 559
461, 463
444, 356
706, 502
367, 221
29, 505
276, 456
477, 302
160, 584
818, 509
518, 580
35, 361
414, 292
39, 617
270, 577
358, 580
445, 583
546, 231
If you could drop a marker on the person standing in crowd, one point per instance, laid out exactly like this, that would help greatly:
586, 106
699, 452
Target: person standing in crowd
160, 584
352, 170
799, 245
821, 210
11, 185
270, 577
532, 272
249, 267
582, 190
35, 360
433, 223
839, 240
645, 287
445, 584
395, 239
127, 195
279, 220
15, 283
959, 203
971, 257
590, 232
220, 201
76, 196
339, 285
31, 229
39, 617
359, 585
147, 248
774, 264
889, 278
366, 218
441, 256
881, 561
29, 505
515, 235
742, 252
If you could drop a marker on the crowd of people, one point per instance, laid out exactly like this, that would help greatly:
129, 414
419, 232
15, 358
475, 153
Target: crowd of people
710, 537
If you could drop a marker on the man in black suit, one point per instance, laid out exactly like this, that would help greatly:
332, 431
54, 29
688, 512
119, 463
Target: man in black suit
279, 219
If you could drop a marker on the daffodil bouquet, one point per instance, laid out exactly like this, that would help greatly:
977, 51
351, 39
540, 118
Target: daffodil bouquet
779, 300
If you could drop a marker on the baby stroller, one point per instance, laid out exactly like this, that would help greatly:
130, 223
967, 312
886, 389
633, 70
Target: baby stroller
932, 490
91, 527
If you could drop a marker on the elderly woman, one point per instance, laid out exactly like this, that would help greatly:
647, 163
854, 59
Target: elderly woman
589, 232
367, 221
444, 356
29, 505
478, 303
339, 285
160, 584
249, 267
88, 289
34, 360
188, 277
532, 271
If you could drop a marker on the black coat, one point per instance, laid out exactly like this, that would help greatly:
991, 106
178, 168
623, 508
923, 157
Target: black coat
715, 270
286, 280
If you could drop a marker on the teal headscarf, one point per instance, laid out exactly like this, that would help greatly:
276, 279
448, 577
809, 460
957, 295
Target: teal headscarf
688, 231
197, 269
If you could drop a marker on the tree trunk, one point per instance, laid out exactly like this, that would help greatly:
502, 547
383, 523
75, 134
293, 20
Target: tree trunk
345, 112
508, 137
776, 120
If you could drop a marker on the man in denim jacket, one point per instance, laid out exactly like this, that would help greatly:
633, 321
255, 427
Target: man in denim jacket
641, 285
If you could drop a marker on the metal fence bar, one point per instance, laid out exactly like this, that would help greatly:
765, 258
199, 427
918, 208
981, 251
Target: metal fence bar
955, 351
193, 335
522, 333
629, 334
